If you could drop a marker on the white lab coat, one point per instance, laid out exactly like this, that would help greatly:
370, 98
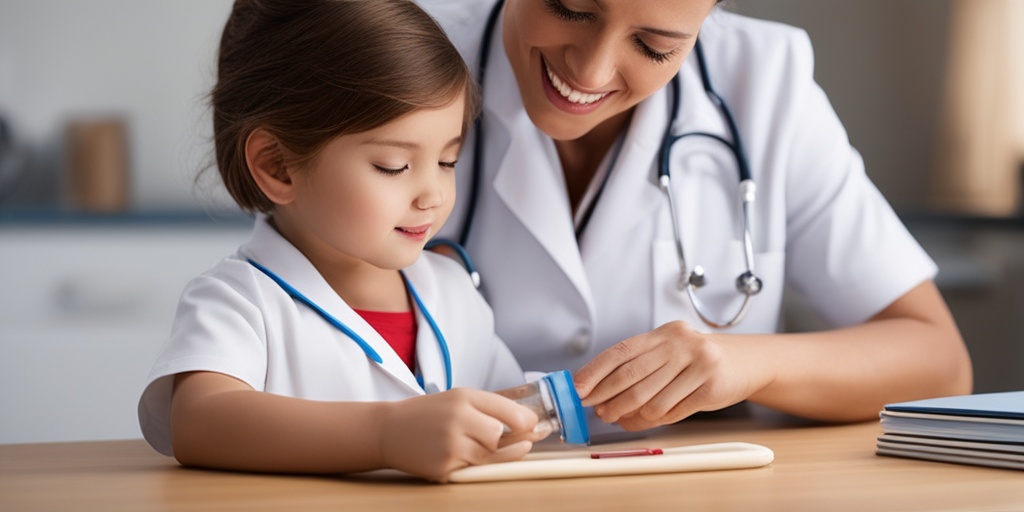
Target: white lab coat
235, 320
820, 226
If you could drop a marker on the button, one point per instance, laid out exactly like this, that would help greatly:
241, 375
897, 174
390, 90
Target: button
579, 344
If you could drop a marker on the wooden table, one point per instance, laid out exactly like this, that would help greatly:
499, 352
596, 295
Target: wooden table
816, 468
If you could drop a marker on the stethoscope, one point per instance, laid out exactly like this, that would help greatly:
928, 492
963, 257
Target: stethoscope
748, 283
367, 349
690, 279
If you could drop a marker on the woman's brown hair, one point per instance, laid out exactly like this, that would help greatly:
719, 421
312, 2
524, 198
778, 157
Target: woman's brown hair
308, 71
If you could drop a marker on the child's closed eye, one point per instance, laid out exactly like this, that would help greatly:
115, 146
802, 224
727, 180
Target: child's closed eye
391, 171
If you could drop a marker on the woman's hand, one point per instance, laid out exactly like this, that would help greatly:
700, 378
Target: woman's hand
661, 377
908, 351
433, 435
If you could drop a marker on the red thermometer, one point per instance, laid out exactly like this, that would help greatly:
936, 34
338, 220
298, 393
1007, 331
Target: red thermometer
636, 452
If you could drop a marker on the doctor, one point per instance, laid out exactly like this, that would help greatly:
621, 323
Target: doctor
575, 237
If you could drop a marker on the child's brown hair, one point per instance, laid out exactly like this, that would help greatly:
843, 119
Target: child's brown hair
308, 71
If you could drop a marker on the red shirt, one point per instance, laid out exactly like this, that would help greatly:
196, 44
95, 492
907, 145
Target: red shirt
398, 329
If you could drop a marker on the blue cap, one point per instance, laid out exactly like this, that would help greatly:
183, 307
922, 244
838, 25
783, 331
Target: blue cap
569, 407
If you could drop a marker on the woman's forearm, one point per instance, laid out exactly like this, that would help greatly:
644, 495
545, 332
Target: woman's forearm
910, 350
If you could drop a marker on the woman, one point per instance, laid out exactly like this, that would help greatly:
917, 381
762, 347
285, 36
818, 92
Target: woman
574, 238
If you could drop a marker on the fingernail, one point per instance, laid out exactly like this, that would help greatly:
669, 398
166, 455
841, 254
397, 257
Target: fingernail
544, 428
579, 389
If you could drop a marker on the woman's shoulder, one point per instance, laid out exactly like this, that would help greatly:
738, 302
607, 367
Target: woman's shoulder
755, 56
723, 25
744, 41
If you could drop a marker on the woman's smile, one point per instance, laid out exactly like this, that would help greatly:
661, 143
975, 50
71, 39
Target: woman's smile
565, 97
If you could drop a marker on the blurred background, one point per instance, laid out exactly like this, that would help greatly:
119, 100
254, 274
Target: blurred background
105, 212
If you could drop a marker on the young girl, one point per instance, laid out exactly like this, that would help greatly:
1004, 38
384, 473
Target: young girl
338, 122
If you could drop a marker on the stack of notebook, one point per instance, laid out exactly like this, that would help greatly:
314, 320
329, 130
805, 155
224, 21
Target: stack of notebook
983, 429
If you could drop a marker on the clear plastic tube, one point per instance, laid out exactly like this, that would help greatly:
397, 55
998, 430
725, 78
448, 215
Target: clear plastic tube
554, 400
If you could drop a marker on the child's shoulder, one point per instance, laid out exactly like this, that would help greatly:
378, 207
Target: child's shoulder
232, 274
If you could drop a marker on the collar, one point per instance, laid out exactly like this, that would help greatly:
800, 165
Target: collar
271, 250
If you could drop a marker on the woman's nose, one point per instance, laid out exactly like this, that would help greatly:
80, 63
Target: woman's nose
593, 62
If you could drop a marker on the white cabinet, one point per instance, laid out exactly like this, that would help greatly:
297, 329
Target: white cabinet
84, 310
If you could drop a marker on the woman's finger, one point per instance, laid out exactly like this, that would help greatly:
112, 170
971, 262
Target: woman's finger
684, 389
594, 373
637, 395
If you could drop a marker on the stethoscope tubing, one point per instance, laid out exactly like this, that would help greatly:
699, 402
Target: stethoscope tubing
478, 126
747, 283
348, 331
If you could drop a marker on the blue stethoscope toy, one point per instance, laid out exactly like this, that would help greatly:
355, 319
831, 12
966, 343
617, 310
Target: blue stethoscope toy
370, 352
748, 283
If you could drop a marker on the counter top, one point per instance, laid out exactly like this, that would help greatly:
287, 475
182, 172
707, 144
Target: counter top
824, 467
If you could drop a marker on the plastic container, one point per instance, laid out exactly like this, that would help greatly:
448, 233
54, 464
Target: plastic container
553, 398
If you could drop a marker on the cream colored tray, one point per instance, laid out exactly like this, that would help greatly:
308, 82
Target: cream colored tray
578, 463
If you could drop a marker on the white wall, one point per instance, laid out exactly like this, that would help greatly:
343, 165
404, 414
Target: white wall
151, 61
882, 63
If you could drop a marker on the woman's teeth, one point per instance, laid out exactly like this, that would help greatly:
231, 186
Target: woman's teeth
569, 93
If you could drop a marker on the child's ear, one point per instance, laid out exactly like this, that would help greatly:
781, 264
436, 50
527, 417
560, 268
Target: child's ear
265, 158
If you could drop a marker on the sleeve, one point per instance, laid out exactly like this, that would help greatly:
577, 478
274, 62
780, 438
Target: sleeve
848, 253
217, 328
505, 371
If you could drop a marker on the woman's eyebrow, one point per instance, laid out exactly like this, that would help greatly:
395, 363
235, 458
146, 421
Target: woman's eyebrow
656, 31
667, 33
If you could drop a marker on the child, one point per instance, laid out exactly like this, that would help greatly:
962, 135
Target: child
338, 122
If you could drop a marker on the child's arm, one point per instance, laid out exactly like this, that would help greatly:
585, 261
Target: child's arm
221, 422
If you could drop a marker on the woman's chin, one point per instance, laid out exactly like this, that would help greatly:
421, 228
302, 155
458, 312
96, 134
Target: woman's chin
561, 126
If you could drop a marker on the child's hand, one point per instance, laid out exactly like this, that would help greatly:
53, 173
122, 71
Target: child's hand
433, 435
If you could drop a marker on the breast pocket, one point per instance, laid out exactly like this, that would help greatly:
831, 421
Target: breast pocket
719, 296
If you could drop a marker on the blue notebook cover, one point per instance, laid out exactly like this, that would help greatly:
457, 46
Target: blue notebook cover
1006, 405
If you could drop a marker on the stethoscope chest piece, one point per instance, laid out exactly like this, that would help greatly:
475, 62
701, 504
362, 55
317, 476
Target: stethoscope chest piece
747, 283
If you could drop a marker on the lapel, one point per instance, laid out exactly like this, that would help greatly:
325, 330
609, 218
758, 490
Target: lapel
528, 179
429, 359
633, 195
268, 248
